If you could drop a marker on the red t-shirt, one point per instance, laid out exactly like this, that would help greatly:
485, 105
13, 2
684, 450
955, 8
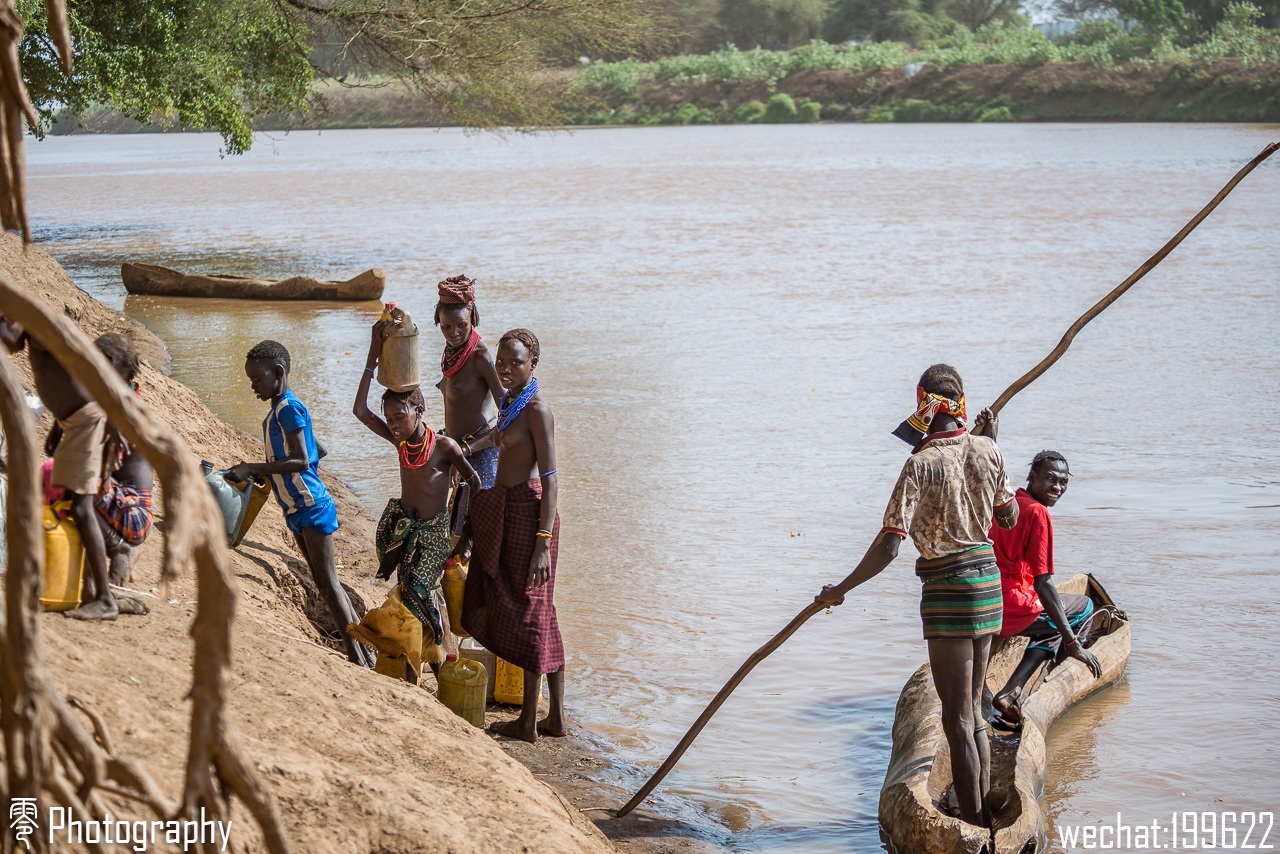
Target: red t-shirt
1023, 553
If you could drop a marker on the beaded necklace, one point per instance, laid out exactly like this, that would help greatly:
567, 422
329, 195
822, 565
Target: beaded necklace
452, 361
511, 408
416, 456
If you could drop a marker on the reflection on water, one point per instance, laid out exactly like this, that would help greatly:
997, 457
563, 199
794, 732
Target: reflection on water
732, 319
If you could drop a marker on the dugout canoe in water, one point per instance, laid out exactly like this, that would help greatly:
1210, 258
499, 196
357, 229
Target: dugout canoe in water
920, 768
154, 280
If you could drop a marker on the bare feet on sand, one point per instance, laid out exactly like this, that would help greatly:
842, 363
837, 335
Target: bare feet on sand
554, 728
516, 729
98, 609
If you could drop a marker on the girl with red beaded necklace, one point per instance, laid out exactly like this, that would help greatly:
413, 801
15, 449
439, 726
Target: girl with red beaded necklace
469, 383
413, 533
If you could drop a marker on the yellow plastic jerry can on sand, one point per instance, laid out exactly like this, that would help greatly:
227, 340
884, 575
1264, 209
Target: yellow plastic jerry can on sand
63, 559
462, 685
474, 651
453, 583
395, 666
509, 685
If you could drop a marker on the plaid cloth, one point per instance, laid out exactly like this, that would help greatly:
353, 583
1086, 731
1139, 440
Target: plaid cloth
515, 623
419, 547
126, 509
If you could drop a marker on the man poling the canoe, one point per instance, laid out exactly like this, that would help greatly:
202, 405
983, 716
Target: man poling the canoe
1018, 385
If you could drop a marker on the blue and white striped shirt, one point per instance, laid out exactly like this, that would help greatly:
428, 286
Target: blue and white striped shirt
301, 490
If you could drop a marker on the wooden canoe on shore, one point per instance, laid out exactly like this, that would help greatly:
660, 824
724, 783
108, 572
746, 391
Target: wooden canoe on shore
153, 280
920, 768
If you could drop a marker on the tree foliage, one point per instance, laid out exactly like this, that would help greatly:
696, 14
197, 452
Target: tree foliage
221, 63
772, 23
909, 21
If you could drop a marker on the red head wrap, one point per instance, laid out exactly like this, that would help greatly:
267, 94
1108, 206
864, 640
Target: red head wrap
457, 290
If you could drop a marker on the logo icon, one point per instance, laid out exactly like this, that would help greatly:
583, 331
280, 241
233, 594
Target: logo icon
22, 820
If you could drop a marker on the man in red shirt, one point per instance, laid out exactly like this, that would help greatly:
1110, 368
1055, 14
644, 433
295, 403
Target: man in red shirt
1033, 607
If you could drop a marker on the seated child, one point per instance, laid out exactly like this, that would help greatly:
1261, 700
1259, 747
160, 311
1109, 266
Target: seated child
413, 533
124, 502
77, 461
292, 467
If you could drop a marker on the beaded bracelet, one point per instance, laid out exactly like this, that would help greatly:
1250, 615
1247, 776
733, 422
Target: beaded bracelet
546, 534
1073, 642
548, 473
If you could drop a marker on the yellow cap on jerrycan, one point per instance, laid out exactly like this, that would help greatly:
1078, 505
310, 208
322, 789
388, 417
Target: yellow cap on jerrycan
509, 686
398, 360
63, 559
462, 684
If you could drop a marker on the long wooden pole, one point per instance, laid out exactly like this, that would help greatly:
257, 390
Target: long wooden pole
756, 657
1022, 382
1047, 362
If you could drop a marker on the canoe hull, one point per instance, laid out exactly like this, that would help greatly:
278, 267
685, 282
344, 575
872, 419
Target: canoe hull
153, 280
920, 766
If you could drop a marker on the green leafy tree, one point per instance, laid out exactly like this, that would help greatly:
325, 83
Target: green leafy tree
221, 63
1187, 19
976, 14
775, 24
1157, 15
908, 21
1206, 14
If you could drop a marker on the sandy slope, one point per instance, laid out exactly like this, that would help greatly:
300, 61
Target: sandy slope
358, 762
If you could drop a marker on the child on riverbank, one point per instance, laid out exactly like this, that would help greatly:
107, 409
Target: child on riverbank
77, 462
469, 381
124, 502
413, 533
292, 466
514, 531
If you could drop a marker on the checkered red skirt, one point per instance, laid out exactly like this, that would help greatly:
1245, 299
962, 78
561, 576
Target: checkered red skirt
510, 620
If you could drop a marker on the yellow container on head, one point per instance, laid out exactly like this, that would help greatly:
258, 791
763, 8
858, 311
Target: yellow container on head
398, 359
63, 559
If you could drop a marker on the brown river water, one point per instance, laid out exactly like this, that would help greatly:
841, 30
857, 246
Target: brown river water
732, 320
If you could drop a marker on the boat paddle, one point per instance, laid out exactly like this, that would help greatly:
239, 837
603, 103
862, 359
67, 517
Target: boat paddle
1022, 382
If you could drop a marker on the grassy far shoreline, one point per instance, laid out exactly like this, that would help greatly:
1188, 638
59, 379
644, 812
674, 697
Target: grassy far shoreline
1001, 73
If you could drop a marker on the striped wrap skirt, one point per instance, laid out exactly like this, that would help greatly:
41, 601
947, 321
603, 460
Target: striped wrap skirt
961, 595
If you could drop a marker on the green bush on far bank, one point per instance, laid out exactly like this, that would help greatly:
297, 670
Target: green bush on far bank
781, 109
1238, 34
1178, 64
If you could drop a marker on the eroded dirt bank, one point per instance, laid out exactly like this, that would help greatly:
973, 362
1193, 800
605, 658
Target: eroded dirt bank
357, 762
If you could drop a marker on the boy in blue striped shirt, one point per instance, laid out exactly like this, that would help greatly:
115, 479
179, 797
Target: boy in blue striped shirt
292, 466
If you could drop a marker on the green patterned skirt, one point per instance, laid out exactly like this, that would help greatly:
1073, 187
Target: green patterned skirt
418, 550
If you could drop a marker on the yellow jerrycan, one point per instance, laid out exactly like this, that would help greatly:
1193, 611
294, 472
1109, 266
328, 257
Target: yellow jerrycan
398, 362
469, 648
63, 559
454, 582
509, 685
462, 688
